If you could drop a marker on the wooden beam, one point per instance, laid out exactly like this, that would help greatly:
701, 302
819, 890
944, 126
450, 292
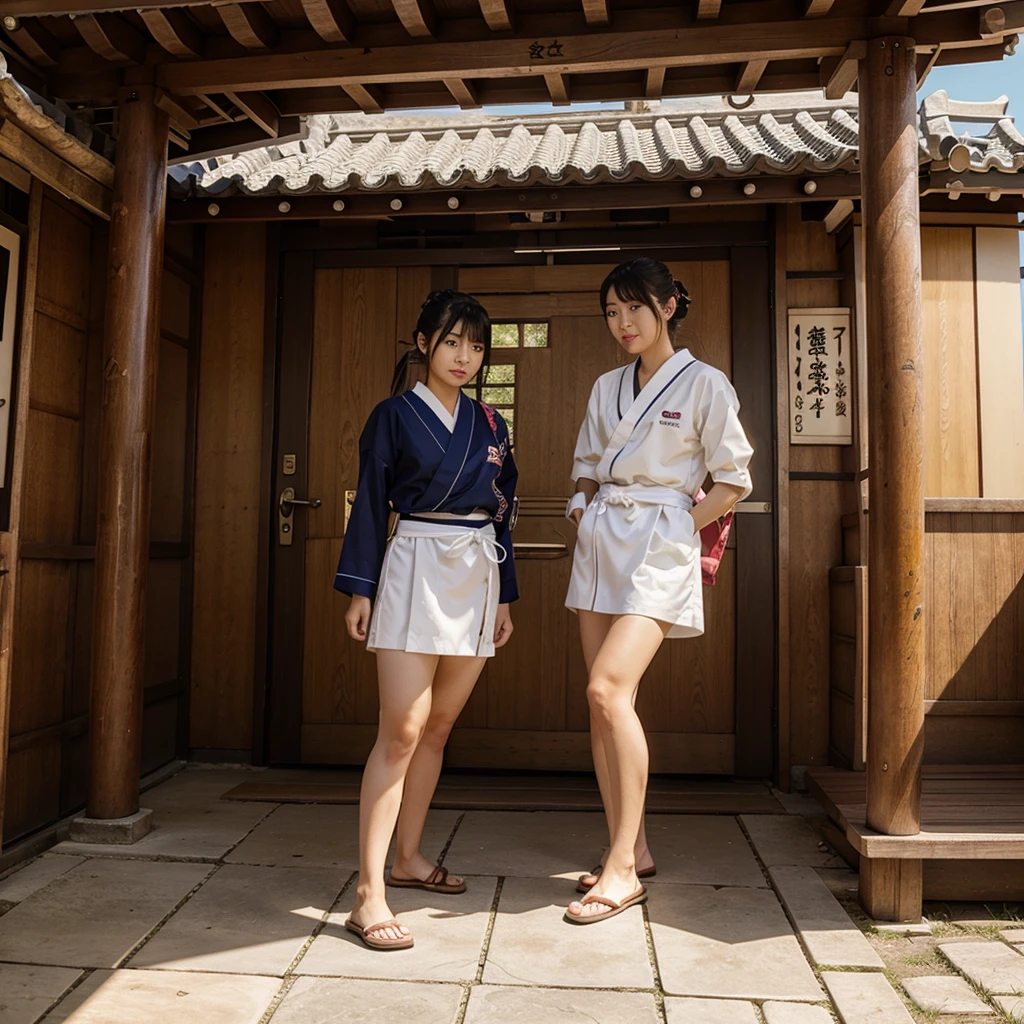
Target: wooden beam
239, 136
182, 119
839, 74
558, 89
368, 98
708, 10
750, 74
112, 37
903, 8
417, 16
259, 108
130, 352
891, 890
498, 15
817, 8
896, 549
332, 19
463, 93
220, 109
596, 12
654, 83
511, 58
250, 25
175, 31
35, 42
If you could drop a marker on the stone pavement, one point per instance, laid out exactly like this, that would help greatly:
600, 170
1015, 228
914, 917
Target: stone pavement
232, 913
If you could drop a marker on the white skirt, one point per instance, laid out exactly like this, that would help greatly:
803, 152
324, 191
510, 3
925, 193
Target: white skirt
439, 590
637, 553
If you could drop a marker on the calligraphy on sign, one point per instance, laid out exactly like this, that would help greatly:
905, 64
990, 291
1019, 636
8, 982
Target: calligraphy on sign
820, 381
540, 51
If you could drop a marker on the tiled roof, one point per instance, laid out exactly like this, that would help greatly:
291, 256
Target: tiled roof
798, 134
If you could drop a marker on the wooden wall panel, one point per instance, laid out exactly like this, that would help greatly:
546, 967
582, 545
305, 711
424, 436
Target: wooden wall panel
169, 443
950, 374
176, 305
64, 275
163, 621
58, 363
581, 278
50, 491
228, 465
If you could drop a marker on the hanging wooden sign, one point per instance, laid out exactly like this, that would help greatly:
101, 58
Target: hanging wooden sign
820, 376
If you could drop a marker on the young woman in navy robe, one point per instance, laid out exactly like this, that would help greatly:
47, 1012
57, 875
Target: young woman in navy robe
433, 602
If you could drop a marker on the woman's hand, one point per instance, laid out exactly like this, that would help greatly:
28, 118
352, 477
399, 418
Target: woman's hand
502, 626
357, 618
577, 515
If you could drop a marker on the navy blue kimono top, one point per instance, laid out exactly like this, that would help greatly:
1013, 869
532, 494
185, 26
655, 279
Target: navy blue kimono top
409, 462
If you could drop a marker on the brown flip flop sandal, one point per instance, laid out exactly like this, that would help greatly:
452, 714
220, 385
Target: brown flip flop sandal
383, 944
640, 896
436, 881
582, 886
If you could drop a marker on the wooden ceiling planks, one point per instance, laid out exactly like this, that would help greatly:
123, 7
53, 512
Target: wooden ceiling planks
332, 19
250, 25
418, 17
175, 32
110, 36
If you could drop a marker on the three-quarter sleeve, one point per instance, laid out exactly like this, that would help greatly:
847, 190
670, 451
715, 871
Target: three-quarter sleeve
506, 483
727, 451
366, 537
589, 444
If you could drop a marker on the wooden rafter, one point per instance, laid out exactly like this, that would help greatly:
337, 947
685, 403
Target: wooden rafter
35, 42
369, 98
417, 16
182, 118
509, 58
708, 10
220, 109
558, 89
112, 37
749, 76
596, 12
903, 8
463, 93
817, 8
654, 83
838, 74
332, 20
259, 108
175, 31
250, 25
498, 15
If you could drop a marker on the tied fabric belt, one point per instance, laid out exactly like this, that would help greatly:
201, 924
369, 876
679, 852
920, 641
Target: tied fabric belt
632, 496
461, 538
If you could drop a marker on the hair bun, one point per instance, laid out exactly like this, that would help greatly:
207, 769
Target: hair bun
682, 301
440, 295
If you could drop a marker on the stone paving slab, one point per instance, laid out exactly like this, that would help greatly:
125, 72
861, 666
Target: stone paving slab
165, 997
826, 930
798, 803
27, 992
1010, 934
944, 993
729, 943
992, 966
350, 1001
865, 998
96, 912
840, 881
1012, 1006
324, 835
449, 933
35, 875
785, 839
516, 1005
532, 945
702, 849
708, 1011
245, 920
795, 1013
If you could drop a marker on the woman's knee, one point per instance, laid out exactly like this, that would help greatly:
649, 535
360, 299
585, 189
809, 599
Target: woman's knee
401, 740
437, 731
606, 697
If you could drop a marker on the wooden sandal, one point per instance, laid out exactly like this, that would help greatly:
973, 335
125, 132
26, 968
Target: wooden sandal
436, 881
640, 896
582, 886
364, 934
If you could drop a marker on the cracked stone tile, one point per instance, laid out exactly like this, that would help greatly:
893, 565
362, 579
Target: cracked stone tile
944, 993
495, 1004
992, 966
27, 991
449, 933
795, 1013
355, 1001
35, 875
708, 1011
865, 998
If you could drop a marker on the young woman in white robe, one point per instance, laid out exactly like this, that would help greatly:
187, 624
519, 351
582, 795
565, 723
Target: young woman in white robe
654, 430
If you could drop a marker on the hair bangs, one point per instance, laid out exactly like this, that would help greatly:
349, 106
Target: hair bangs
628, 285
476, 324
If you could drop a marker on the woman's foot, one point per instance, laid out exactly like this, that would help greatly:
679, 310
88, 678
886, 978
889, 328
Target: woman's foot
613, 885
373, 911
418, 868
644, 867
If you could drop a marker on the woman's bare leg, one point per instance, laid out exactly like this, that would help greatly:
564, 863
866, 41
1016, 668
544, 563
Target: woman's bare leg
594, 628
627, 650
404, 682
453, 683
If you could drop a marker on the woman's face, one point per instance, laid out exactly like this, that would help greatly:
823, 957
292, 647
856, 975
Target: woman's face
456, 358
635, 327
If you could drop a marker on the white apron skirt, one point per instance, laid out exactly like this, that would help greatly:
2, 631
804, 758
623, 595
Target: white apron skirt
637, 553
439, 589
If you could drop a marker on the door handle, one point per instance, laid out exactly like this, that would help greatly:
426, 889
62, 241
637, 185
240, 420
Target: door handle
285, 507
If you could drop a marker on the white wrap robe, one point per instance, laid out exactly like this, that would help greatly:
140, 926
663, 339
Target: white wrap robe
637, 552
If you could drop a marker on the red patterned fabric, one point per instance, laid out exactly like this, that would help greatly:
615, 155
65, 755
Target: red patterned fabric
713, 538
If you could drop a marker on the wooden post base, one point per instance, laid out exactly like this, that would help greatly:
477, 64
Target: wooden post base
890, 890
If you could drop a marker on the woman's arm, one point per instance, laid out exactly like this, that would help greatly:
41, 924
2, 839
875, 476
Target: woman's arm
588, 488
719, 500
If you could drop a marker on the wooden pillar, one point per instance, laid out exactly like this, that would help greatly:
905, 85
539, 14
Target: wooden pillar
892, 237
131, 347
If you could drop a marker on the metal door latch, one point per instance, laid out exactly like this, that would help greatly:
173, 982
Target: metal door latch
285, 509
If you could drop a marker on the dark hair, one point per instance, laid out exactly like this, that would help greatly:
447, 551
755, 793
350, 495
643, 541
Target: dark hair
440, 314
651, 283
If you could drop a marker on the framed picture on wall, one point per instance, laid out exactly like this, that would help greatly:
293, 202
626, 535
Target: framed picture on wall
10, 252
